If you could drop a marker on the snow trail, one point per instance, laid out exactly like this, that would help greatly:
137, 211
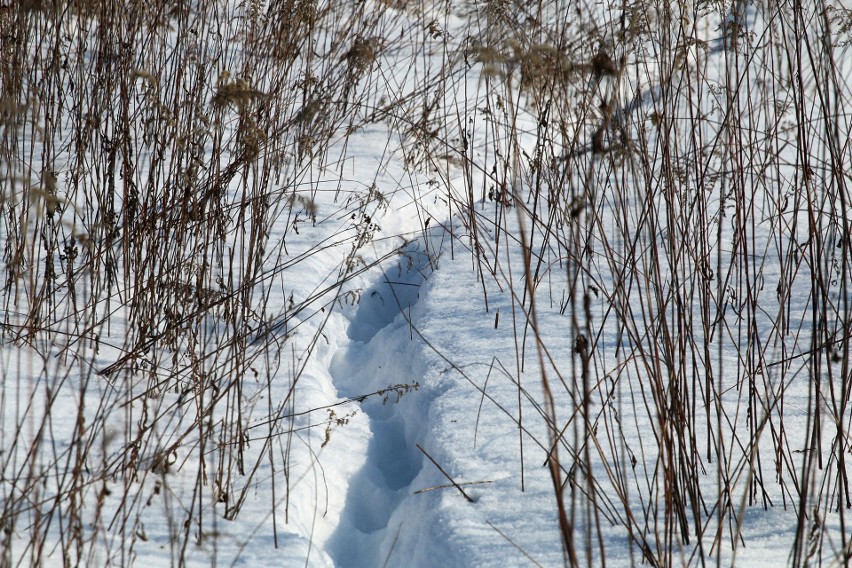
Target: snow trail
383, 355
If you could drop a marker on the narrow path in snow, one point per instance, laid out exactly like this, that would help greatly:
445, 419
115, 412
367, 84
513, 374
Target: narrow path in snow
382, 354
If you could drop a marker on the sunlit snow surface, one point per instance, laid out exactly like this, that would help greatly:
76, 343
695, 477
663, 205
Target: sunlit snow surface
406, 383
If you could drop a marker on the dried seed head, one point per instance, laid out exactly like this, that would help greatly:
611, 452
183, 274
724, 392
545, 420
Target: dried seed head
603, 65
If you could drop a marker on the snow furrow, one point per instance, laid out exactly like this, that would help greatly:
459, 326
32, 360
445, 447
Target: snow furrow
383, 357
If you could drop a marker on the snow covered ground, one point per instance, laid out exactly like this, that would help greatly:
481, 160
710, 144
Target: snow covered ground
624, 305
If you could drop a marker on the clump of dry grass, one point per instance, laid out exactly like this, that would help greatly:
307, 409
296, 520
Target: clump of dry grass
154, 158
680, 204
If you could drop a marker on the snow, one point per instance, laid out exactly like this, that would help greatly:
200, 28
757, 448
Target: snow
396, 410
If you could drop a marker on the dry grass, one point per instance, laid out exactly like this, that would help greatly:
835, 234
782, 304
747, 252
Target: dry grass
156, 156
676, 175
